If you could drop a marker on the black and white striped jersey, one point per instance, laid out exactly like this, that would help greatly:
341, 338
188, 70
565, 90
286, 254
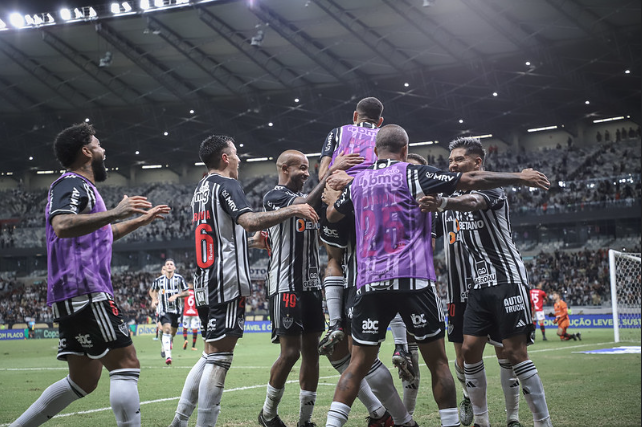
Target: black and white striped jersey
488, 238
294, 261
458, 259
223, 270
166, 287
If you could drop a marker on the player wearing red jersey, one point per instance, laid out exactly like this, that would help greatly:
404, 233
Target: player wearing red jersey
190, 318
538, 297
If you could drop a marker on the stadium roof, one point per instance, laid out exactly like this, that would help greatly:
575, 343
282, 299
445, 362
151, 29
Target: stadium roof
279, 74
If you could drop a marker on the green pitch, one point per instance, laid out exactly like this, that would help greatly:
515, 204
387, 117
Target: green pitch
581, 389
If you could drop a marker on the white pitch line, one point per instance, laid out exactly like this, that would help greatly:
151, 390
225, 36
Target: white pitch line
167, 399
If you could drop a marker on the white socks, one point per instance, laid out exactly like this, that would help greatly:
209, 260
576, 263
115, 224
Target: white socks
383, 387
461, 377
307, 400
510, 385
476, 386
337, 415
333, 286
123, 396
398, 329
272, 399
189, 395
210, 389
411, 389
167, 345
533, 392
449, 417
53, 400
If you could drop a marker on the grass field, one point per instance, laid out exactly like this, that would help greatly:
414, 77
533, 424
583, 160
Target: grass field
581, 389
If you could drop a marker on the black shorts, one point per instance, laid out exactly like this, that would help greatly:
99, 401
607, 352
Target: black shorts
421, 312
336, 233
500, 312
349, 294
171, 318
221, 320
456, 312
296, 313
93, 331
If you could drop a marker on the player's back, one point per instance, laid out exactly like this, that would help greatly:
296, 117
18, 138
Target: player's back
360, 140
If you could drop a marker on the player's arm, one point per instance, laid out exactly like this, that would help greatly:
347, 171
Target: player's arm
258, 240
256, 221
341, 163
181, 294
464, 203
327, 151
482, 180
153, 293
339, 203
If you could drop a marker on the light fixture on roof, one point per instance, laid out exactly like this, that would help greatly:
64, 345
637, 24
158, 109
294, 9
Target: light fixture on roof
312, 155
542, 129
127, 7
92, 12
406, 84
296, 100
87, 120
50, 19
257, 39
587, 102
257, 159
115, 8
490, 135
29, 20
495, 94
627, 72
144, 4
2, 25
137, 152
30, 157
78, 13
416, 144
191, 111
241, 145
528, 64
461, 120
610, 119
17, 20
270, 124
159, 3
151, 166
37, 20
65, 14
166, 133
105, 61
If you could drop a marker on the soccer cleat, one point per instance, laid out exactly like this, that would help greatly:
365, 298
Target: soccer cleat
334, 335
579, 336
402, 360
384, 421
194, 349
514, 424
574, 337
276, 422
155, 338
162, 353
185, 345
168, 361
466, 412
544, 339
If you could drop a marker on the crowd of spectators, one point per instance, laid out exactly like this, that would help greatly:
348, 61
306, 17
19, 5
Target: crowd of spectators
582, 278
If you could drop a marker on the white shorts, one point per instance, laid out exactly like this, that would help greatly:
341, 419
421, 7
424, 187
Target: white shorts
539, 315
191, 322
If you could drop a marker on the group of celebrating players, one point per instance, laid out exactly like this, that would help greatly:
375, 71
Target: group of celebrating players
378, 210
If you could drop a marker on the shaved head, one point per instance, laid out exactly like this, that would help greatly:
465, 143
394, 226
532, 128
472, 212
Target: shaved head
391, 139
289, 158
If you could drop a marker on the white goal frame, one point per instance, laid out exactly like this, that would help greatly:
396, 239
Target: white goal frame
614, 300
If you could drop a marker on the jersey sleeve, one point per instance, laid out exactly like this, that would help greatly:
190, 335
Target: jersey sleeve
495, 198
184, 286
436, 229
69, 196
424, 180
155, 286
233, 199
277, 198
330, 144
344, 204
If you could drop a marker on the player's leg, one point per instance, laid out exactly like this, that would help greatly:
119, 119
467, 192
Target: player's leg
61, 393
166, 339
516, 352
475, 372
510, 386
189, 396
309, 374
456, 312
124, 370
540, 318
401, 358
186, 320
411, 388
333, 284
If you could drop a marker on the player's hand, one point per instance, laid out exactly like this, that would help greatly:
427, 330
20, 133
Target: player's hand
154, 304
330, 196
157, 212
338, 180
555, 321
533, 178
172, 298
305, 211
430, 202
131, 205
344, 162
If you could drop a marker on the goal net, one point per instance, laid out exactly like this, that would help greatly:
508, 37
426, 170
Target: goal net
625, 295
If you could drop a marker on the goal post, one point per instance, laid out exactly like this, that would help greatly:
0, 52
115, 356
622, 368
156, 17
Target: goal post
624, 269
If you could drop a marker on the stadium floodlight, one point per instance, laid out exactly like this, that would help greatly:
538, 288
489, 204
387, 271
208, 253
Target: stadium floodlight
489, 135
115, 8
92, 12
127, 7
159, 3
38, 20
144, 4
65, 14
50, 19
610, 119
17, 20
29, 20
257, 159
416, 144
152, 166
541, 129
312, 155
79, 13
2, 25
199, 164
182, 1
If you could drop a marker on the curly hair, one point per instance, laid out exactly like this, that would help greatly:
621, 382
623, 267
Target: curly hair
471, 144
69, 142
